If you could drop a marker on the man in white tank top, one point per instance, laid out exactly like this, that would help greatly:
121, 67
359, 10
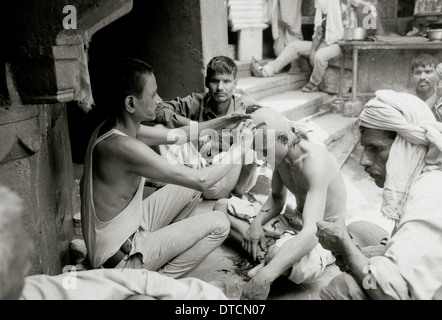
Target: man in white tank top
120, 228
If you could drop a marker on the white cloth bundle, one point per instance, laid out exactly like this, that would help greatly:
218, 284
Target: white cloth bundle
246, 14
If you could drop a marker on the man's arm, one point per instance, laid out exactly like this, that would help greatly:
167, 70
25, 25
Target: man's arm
317, 35
333, 236
272, 207
154, 136
318, 175
137, 158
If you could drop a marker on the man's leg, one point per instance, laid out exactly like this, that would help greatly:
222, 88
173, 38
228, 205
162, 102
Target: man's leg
181, 246
291, 52
175, 240
323, 55
169, 204
343, 287
365, 233
237, 226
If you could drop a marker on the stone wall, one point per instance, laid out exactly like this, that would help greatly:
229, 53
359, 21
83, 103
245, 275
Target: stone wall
168, 35
387, 69
35, 162
39, 64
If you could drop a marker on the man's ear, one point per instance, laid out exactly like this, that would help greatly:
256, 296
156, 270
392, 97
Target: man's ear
129, 104
283, 138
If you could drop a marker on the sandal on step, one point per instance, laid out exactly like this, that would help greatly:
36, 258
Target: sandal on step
256, 68
310, 87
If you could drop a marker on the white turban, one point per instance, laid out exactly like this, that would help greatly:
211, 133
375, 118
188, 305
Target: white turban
416, 129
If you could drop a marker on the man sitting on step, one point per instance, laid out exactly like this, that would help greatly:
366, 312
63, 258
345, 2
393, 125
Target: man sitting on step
331, 18
311, 173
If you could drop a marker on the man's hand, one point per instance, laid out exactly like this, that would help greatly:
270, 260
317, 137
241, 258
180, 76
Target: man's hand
257, 288
254, 236
340, 263
332, 233
233, 119
245, 133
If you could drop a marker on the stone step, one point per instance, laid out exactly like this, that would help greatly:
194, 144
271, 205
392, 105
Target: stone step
296, 105
243, 69
340, 134
260, 88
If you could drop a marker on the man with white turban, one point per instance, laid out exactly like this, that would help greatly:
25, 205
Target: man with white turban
402, 152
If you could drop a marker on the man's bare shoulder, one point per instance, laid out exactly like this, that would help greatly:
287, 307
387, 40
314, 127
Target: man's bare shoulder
317, 159
118, 147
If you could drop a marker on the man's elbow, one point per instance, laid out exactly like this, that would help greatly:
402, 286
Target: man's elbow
202, 183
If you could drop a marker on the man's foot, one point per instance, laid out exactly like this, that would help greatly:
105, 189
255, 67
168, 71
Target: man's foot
256, 68
310, 87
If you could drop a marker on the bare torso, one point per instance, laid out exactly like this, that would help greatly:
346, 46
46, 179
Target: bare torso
113, 185
295, 174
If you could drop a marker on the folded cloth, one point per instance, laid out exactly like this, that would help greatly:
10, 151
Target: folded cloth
82, 87
242, 209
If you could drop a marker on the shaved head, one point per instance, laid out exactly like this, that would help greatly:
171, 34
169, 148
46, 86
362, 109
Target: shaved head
272, 139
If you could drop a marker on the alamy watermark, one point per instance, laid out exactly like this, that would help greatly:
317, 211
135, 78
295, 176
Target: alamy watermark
70, 20
70, 280
369, 281
369, 10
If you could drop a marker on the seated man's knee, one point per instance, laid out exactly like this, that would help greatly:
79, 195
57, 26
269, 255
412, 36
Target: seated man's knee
221, 221
321, 60
366, 233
